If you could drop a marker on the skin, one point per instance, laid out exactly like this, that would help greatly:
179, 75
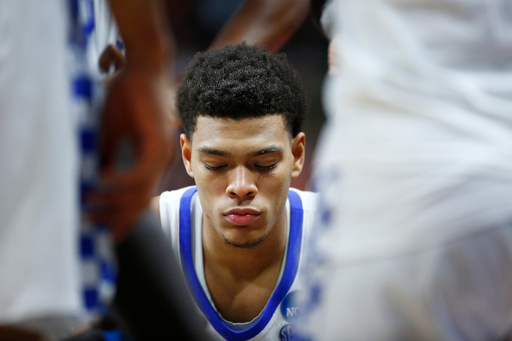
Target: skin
269, 23
135, 110
245, 163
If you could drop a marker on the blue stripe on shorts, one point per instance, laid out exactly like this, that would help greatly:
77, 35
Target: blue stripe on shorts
98, 266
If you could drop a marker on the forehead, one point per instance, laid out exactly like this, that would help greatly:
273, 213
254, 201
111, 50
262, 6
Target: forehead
246, 132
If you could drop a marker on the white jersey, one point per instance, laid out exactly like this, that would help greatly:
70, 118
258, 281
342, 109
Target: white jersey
414, 171
43, 285
39, 263
420, 116
181, 217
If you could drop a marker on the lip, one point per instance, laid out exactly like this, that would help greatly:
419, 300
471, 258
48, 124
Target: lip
241, 216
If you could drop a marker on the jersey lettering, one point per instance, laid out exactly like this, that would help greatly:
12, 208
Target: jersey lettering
286, 333
293, 311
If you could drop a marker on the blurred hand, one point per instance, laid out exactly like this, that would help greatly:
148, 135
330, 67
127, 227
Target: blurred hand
111, 55
135, 118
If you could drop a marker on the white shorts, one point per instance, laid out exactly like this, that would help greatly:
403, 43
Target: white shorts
39, 264
412, 253
458, 291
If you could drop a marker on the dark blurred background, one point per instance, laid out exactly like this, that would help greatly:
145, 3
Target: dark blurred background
196, 23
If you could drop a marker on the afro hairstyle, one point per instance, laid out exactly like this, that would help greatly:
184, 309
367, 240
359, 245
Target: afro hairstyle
241, 81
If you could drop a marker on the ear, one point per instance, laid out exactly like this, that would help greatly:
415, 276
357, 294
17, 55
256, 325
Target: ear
299, 154
186, 153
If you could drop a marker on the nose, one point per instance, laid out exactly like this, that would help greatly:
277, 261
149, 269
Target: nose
241, 184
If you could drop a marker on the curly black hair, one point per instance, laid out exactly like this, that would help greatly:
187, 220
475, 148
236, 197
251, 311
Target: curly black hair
241, 81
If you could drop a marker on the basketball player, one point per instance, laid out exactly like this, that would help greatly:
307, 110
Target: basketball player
40, 289
241, 231
415, 172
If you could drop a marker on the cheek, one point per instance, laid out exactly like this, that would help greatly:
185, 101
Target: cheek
211, 191
276, 188
215, 185
207, 203
209, 181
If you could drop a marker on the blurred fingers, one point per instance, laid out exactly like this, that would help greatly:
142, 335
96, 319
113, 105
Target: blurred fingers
111, 56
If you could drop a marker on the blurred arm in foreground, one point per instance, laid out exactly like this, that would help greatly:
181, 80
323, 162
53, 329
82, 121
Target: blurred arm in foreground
264, 22
135, 111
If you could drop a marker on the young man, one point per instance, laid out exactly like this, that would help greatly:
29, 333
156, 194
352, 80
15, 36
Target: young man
419, 136
240, 232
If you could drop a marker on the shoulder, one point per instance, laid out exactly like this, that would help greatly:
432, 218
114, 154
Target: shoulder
168, 204
172, 198
310, 208
309, 200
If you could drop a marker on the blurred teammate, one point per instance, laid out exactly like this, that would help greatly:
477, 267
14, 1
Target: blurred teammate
40, 289
415, 171
241, 231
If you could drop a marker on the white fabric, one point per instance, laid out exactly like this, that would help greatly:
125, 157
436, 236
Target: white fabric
105, 33
415, 171
169, 215
459, 291
40, 273
423, 111
38, 165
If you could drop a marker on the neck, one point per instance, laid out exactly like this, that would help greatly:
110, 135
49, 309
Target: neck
245, 263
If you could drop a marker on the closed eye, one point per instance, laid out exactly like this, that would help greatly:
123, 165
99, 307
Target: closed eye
267, 167
207, 166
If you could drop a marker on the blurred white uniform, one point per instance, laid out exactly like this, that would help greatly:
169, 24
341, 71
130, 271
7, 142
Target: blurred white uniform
415, 171
40, 271
38, 165
181, 215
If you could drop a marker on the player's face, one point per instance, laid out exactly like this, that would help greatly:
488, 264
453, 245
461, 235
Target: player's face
242, 169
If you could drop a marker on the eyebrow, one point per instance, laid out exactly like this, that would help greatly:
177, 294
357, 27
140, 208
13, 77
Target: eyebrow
213, 151
271, 149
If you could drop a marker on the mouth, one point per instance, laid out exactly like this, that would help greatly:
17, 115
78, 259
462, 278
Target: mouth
241, 216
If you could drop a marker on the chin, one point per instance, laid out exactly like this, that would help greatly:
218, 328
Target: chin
246, 244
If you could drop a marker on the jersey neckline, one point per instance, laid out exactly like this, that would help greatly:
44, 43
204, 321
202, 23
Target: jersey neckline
290, 272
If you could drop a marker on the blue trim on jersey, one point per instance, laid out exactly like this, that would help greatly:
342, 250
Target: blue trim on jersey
290, 272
